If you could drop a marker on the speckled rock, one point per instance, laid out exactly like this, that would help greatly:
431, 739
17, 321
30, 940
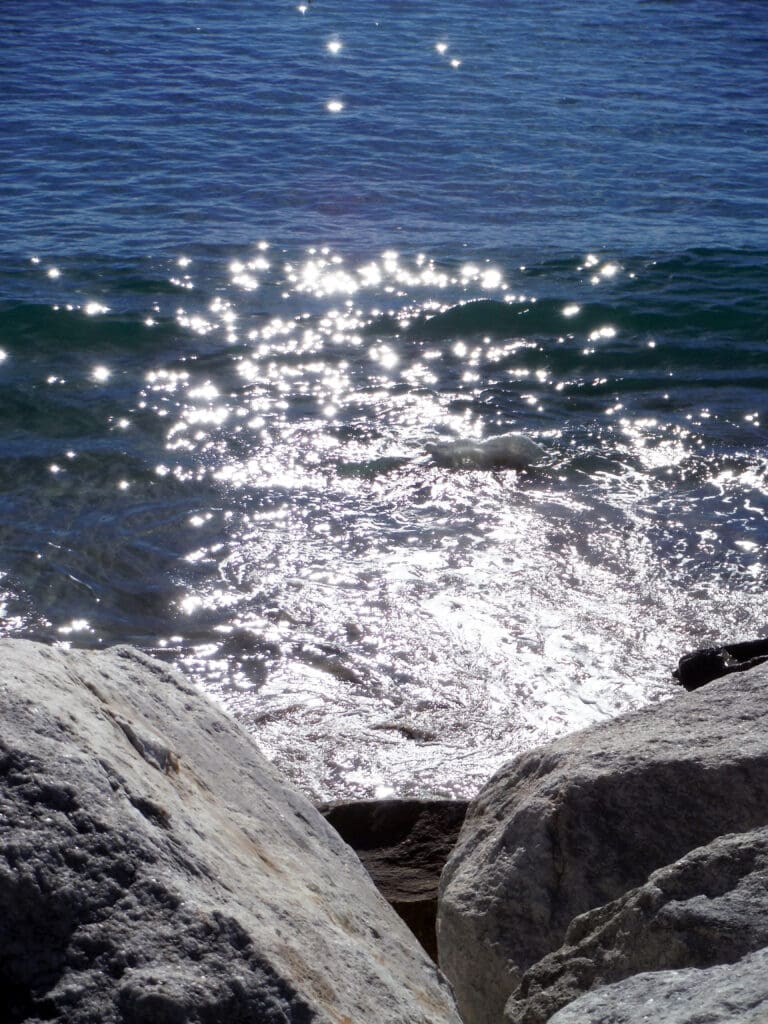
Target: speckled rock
727, 994
708, 908
153, 867
575, 824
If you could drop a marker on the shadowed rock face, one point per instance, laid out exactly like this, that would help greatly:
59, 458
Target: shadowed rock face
729, 994
574, 825
403, 845
153, 868
700, 667
709, 908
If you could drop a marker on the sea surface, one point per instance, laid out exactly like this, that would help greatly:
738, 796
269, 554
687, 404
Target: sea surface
255, 256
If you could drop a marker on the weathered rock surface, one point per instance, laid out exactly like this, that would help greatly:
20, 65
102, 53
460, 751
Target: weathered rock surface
709, 908
727, 994
573, 825
153, 868
403, 845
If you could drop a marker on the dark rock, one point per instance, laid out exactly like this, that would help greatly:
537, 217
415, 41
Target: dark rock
403, 845
702, 666
709, 908
155, 870
575, 824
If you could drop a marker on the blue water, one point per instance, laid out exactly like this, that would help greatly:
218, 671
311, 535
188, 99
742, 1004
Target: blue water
254, 257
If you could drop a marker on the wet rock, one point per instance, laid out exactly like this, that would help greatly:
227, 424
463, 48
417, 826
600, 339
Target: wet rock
154, 868
700, 667
727, 994
403, 845
575, 824
709, 908
505, 451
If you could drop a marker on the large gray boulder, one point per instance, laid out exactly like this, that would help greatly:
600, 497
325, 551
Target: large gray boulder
727, 994
154, 869
709, 908
575, 824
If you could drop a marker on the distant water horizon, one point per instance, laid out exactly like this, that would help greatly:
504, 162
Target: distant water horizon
256, 259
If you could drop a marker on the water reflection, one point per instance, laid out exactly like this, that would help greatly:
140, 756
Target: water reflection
276, 525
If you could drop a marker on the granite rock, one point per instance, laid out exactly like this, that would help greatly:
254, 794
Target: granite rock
575, 824
708, 908
726, 994
154, 868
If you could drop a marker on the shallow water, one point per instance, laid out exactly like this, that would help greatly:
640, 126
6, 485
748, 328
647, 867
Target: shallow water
254, 260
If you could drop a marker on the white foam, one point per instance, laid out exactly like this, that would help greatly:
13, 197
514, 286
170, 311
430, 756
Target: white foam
506, 451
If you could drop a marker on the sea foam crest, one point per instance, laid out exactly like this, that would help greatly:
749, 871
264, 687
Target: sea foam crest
505, 451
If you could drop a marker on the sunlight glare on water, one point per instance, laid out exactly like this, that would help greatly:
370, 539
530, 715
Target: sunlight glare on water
378, 622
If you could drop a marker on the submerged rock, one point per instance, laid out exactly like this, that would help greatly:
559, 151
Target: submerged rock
709, 908
154, 868
403, 845
575, 824
506, 451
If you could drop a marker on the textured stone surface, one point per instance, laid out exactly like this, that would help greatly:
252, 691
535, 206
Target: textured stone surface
153, 868
710, 907
727, 994
403, 845
575, 824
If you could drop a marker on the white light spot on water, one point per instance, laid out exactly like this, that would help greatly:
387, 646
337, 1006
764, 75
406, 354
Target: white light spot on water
75, 626
441, 48
3, 355
94, 308
491, 279
54, 272
334, 46
334, 106
603, 332
571, 310
54, 468
34, 259
183, 261
100, 374
609, 270
455, 62
123, 485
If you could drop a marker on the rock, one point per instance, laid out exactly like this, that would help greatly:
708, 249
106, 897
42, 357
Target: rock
708, 908
727, 994
155, 870
702, 666
505, 451
403, 845
575, 824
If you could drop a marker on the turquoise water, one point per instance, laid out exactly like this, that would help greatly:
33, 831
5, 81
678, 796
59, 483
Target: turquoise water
254, 258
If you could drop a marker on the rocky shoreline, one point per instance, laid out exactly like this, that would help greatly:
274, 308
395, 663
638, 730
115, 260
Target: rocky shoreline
156, 870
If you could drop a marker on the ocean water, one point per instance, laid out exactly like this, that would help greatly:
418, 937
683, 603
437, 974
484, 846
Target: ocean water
255, 257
